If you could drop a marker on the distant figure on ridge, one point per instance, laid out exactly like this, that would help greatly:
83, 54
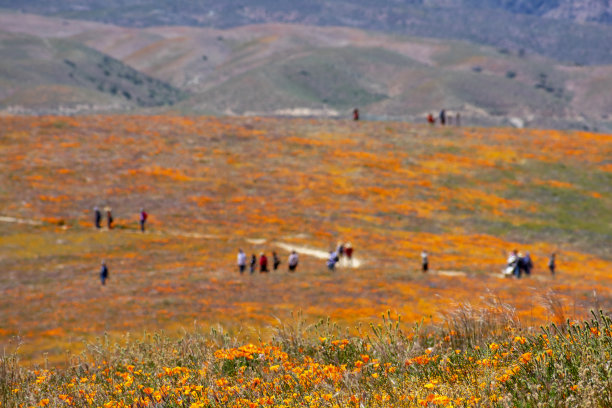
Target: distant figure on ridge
97, 217
109, 217
275, 260
443, 117
263, 263
241, 261
143, 219
293, 261
253, 263
355, 114
424, 261
552, 264
430, 119
103, 273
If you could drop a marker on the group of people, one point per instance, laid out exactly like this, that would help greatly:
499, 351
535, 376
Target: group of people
342, 250
109, 218
263, 262
444, 118
518, 264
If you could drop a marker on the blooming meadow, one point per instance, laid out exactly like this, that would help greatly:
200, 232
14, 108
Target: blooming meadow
212, 185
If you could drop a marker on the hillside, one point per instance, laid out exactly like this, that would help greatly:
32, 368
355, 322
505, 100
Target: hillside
39, 75
516, 25
212, 185
304, 70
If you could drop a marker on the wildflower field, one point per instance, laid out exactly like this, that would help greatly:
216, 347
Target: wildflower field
213, 185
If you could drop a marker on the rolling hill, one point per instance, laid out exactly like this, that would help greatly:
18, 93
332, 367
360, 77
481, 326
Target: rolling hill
281, 69
554, 28
39, 75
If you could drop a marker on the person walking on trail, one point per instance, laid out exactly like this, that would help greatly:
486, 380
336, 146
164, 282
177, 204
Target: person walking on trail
293, 261
527, 263
443, 117
355, 114
348, 251
253, 264
275, 260
512, 267
263, 263
340, 249
103, 273
241, 261
430, 119
332, 260
97, 217
424, 261
143, 219
552, 264
109, 217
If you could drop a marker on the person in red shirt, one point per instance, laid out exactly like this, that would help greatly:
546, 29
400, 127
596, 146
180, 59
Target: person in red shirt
143, 219
263, 263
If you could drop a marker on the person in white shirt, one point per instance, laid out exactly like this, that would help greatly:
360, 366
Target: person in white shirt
241, 261
424, 261
293, 261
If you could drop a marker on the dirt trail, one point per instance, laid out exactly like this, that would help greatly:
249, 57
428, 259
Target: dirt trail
302, 250
19, 220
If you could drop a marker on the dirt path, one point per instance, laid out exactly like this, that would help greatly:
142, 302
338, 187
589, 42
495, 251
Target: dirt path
19, 220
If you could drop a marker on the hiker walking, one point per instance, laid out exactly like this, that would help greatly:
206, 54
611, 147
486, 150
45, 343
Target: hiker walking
443, 117
103, 273
348, 251
241, 261
552, 264
527, 263
263, 263
275, 260
293, 261
332, 260
97, 217
109, 217
430, 119
252, 264
143, 219
340, 249
512, 268
424, 261
355, 114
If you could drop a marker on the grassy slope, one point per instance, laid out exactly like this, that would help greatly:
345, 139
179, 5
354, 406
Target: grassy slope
213, 185
280, 67
44, 74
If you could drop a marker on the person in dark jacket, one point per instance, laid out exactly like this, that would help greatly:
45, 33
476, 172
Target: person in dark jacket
97, 217
552, 264
103, 273
253, 263
275, 260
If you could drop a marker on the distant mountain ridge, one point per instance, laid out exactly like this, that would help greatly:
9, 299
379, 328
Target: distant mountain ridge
552, 28
56, 65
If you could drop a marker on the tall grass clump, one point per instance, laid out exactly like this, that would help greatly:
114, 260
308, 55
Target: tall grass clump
477, 357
